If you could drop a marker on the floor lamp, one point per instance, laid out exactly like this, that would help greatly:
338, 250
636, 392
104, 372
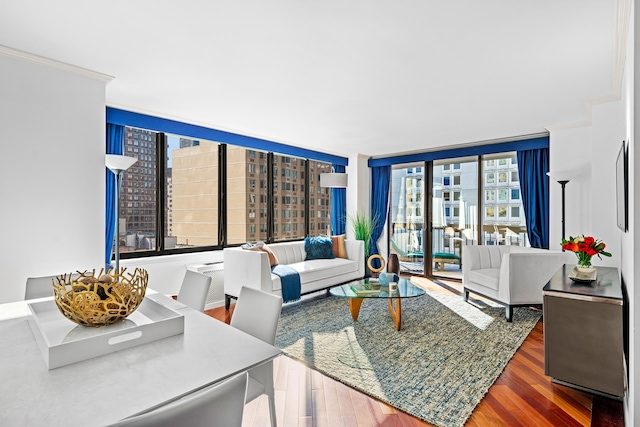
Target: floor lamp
563, 178
118, 164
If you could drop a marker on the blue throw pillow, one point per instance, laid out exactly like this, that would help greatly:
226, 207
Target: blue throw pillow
320, 247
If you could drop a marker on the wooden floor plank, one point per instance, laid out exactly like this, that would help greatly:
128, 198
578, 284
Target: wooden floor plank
318, 401
539, 415
521, 396
565, 403
305, 400
332, 402
292, 405
497, 413
361, 409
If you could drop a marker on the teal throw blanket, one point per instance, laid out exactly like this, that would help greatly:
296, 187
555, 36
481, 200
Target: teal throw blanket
290, 280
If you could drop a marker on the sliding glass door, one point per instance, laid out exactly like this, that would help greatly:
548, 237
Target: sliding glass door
406, 220
454, 213
503, 221
472, 200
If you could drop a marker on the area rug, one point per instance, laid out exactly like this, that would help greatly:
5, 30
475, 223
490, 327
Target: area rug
437, 367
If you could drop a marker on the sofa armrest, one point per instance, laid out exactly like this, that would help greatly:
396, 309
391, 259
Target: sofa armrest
246, 268
471, 256
524, 274
355, 252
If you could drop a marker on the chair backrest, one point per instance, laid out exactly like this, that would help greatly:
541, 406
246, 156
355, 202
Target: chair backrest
220, 405
484, 256
39, 287
194, 290
257, 313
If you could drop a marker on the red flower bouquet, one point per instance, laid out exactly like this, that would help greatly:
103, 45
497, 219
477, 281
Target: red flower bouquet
585, 247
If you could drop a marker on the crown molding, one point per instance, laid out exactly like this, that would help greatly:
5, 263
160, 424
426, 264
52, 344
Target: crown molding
621, 36
57, 65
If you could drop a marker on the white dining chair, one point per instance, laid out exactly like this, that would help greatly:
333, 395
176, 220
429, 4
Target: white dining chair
39, 287
257, 313
194, 290
217, 405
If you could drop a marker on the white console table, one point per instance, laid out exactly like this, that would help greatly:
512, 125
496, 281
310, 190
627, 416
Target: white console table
108, 388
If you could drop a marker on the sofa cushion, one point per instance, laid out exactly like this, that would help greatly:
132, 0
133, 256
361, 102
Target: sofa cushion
318, 247
318, 269
288, 252
487, 277
339, 247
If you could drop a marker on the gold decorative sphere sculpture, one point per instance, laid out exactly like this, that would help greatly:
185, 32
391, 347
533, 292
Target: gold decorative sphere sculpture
92, 299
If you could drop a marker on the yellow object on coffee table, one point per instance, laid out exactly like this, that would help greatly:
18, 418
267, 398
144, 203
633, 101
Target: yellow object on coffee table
371, 258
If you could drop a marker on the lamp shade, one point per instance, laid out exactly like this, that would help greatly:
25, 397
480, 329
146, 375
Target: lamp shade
333, 180
118, 163
561, 176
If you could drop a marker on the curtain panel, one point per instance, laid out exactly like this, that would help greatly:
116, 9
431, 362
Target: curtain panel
380, 178
338, 205
533, 166
114, 145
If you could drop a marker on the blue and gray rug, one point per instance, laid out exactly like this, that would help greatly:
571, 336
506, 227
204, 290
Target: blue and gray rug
437, 367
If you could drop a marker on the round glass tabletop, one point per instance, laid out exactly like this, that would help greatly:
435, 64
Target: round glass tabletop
368, 288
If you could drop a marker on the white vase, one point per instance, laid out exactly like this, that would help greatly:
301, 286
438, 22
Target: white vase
583, 269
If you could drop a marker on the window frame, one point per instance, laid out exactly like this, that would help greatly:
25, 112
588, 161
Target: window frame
162, 204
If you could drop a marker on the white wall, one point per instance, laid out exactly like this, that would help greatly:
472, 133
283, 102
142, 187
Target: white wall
166, 272
570, 152
590, 152
631, 258
52, 128
359, 189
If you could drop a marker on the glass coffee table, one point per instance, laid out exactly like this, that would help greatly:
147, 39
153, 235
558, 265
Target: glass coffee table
405, 290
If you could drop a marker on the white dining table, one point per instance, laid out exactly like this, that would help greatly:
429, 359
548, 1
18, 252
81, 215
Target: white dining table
108, 388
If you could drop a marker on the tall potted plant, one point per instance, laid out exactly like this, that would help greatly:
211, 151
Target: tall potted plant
363, 226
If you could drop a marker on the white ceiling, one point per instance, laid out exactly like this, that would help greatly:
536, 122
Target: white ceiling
375, 77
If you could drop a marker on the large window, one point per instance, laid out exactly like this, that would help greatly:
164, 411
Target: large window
502, 222
289, 197
319, 200
138, 195
246, 203
192, 193
186, 195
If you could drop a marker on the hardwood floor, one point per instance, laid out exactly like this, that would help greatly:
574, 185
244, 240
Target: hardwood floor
521, 396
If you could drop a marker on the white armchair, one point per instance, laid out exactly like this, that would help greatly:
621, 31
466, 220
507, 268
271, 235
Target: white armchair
511, 275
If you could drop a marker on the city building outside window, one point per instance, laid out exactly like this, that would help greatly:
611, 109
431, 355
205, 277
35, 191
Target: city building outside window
179, 177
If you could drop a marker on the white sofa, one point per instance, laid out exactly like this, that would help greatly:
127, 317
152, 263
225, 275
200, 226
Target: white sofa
252, 269
511, 275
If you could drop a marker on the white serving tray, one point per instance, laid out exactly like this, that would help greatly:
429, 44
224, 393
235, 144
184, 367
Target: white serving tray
63, 342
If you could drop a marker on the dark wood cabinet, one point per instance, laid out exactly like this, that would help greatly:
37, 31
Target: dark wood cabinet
583, 332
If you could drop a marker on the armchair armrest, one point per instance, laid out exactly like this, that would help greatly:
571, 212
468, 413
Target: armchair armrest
246, 268
524, 274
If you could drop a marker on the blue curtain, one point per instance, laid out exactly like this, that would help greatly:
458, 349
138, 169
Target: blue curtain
338, 206
114, 145
380, 178
533, 166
